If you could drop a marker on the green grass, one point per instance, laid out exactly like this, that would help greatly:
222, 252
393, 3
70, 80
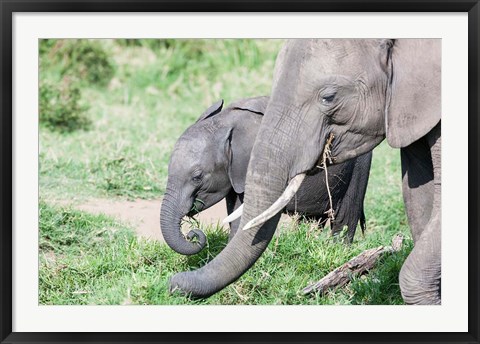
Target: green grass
91, 259
157, 90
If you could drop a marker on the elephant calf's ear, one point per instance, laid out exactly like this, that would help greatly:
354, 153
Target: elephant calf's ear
257, 105
212, 110
238, 154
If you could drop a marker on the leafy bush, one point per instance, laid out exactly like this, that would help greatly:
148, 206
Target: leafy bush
86, 59
45, 45
66, 66
60, 105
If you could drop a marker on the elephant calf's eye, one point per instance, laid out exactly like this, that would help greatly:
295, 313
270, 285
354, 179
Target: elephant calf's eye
197, 178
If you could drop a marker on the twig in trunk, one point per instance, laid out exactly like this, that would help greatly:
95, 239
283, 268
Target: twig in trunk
354, 267
327, 154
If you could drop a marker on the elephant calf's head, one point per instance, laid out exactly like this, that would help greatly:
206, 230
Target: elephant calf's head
208, 161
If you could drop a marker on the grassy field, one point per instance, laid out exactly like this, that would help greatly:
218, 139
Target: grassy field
150, 93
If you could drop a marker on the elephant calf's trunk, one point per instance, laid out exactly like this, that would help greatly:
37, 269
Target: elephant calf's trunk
170, 223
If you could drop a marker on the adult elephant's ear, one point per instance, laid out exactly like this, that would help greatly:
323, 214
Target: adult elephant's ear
413, 104
212, 110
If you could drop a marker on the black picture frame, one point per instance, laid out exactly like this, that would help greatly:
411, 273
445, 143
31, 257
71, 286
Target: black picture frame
9, 7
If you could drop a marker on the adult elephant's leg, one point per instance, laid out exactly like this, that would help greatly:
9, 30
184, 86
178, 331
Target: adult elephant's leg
420, 276
417, 185
233, 201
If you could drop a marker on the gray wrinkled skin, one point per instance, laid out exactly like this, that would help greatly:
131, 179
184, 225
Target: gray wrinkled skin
361, 91
210, 160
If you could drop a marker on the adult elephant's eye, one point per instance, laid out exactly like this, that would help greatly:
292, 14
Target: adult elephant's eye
326, 100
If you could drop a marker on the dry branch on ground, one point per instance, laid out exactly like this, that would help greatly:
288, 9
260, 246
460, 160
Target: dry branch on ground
356, 266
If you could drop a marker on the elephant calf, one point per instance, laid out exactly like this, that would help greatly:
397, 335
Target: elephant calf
209, 162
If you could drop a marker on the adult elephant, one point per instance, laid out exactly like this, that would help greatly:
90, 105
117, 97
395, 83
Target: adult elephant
360, 91
209, 162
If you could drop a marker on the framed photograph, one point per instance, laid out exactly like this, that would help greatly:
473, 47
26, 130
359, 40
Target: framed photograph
239, 172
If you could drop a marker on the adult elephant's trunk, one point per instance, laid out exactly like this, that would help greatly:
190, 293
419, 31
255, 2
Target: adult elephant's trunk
262, 190
171, 216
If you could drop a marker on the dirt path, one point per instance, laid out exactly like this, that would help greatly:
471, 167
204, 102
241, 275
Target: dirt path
144, 215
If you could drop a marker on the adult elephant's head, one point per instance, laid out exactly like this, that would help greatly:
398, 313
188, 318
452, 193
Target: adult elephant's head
355, 91
359, 91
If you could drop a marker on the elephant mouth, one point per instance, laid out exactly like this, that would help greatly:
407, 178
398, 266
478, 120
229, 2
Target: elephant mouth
197, 206
192, 213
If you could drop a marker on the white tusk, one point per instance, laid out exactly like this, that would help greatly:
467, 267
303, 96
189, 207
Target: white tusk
279, 204
233, 216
